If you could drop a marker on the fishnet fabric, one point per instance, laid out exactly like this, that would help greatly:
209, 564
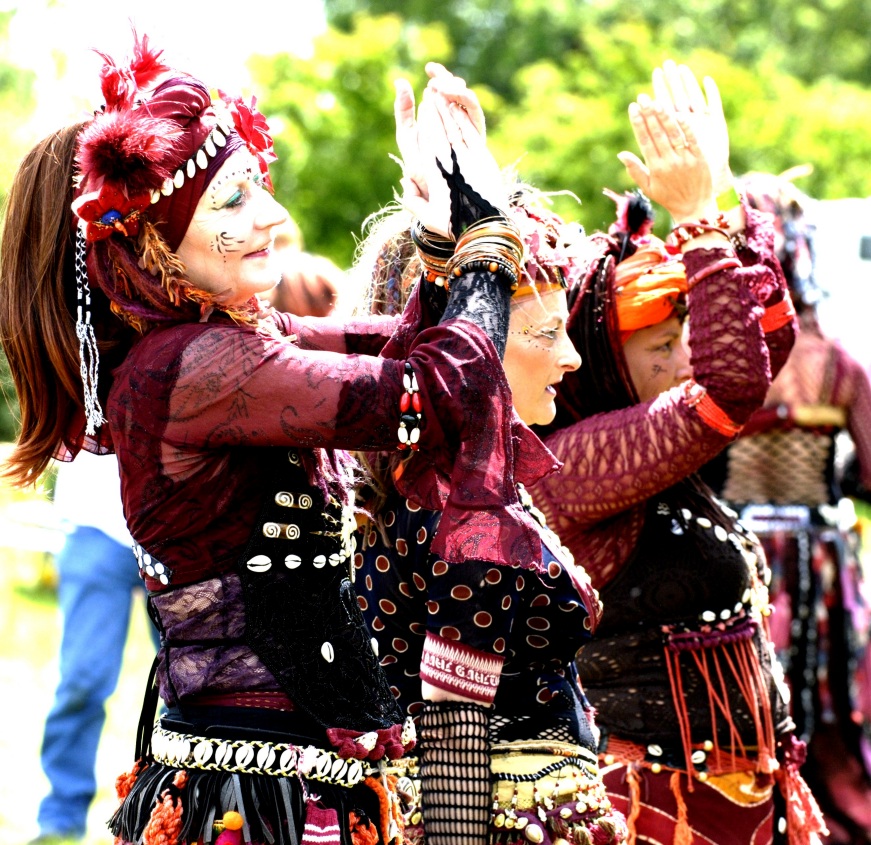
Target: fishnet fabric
455, 772
780, 467
795, 466
527, 728
479, 297
615, 462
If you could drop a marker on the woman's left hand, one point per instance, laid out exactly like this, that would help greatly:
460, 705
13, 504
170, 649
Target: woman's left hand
675, 173
676, 87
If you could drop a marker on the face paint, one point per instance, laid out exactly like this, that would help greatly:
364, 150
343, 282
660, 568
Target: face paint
537, 355
228, 247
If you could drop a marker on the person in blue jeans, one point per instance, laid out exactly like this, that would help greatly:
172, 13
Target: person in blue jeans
97, 576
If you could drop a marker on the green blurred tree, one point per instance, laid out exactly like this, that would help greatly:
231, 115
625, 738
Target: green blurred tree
333, 116
555, 77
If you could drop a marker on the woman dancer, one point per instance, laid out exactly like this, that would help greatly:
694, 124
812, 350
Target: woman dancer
695, 727
482, 655
227, 425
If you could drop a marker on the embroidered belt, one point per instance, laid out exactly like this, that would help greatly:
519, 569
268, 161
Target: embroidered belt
255, 757
265, 700
537, 779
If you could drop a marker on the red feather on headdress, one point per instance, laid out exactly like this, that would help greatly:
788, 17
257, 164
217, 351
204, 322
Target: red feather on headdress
120, 85
128, 149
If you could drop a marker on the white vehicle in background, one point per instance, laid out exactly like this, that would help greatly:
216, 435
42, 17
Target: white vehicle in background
842, 269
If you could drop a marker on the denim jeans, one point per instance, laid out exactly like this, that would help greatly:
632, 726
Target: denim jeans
96, 579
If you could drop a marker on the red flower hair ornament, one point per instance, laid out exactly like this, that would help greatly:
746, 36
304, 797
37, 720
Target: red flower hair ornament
108, 210
254, 131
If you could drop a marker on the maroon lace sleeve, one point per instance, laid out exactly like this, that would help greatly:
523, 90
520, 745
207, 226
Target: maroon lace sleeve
771, 289
617, 460
852, 390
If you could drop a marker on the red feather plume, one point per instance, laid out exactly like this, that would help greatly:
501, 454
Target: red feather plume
126, 148
120, 85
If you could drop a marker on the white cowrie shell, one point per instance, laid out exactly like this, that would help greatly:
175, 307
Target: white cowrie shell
265, 757
293, 561
327, 652
320, 561
355, 772
244, 754
259, 563
203, 752
224, 754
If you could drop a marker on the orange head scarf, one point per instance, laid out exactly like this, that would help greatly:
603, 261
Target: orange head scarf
648, 287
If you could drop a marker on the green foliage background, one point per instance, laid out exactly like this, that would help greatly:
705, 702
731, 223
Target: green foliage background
555, 78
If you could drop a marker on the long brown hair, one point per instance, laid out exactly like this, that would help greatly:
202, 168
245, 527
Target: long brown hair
37, 305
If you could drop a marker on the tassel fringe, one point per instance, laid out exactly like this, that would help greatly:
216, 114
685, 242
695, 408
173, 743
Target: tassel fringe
683, 834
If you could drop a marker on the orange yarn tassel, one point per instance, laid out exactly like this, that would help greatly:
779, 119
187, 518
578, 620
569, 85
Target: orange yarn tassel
683, 834
633, 781
124, 782
389, 813
164, 825
803, 815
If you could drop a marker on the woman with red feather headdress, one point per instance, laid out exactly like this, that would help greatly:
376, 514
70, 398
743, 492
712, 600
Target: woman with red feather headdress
134, 249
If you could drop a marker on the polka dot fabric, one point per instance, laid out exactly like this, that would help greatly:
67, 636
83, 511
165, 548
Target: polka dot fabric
531, 623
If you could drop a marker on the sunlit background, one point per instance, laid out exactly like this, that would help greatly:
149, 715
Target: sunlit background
54, 39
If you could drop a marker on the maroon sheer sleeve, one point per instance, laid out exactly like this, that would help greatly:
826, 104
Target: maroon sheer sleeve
194, 391
330, 334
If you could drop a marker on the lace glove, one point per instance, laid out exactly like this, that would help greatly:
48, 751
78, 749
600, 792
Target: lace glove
483, 298
455, 772
467, 205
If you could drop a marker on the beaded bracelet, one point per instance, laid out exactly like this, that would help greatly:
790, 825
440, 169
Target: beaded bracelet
685, 232
410, 411
696, 396
434, 251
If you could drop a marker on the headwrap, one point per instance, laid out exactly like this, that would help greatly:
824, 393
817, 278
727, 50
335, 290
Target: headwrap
144, 161
553, 250
648, 286
629, 281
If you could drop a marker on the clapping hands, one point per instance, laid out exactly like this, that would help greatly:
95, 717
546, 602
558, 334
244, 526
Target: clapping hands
449, 120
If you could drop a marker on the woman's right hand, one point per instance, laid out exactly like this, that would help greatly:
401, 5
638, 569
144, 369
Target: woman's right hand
676, 87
